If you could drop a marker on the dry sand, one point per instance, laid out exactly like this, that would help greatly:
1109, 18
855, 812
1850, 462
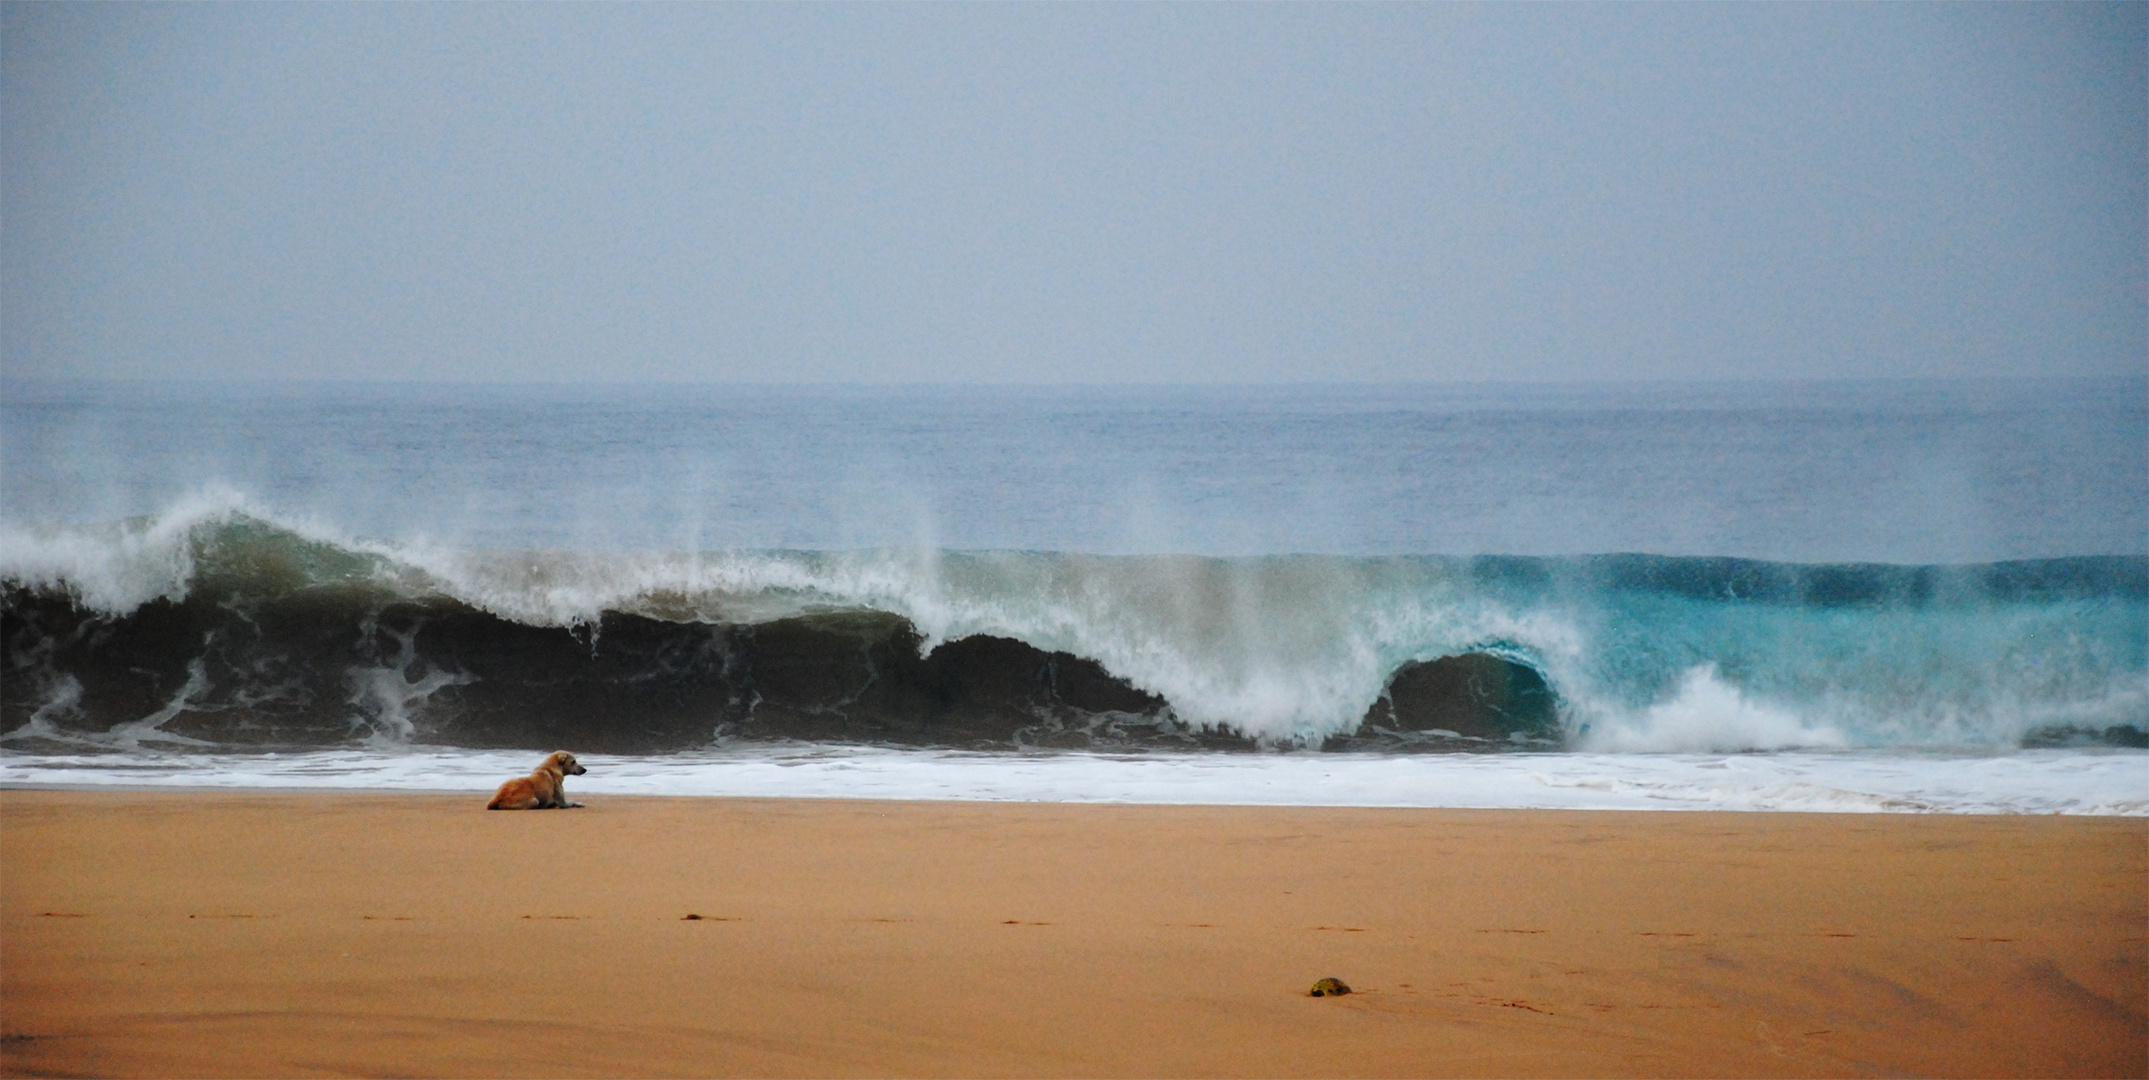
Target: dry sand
165, 934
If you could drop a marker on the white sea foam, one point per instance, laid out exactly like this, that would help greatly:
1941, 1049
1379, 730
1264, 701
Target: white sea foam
2105, 783
1707, 715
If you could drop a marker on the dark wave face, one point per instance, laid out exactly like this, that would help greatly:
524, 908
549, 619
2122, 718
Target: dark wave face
219, 628
316, 672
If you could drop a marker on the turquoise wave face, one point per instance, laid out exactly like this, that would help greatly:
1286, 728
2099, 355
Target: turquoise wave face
246, 615
1975, 666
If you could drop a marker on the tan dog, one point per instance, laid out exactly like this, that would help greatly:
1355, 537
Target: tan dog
544, 789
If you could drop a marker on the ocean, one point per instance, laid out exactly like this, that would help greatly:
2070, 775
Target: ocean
1924, 596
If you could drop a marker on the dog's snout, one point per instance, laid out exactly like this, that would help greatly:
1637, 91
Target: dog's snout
579, 770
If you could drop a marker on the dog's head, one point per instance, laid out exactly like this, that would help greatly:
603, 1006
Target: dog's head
565, 763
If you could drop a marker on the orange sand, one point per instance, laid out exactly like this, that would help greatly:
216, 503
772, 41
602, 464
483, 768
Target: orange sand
163, 934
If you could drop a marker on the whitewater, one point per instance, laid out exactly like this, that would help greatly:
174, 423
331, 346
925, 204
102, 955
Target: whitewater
1854, 596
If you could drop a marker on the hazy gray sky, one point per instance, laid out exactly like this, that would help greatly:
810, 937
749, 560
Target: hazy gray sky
1072, 193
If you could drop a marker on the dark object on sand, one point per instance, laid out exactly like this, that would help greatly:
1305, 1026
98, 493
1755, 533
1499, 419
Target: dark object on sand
1330, 988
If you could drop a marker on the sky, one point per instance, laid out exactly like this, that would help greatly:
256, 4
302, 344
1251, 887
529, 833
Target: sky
1072, 194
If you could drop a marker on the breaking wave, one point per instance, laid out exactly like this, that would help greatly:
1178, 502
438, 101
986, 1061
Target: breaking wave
220, 624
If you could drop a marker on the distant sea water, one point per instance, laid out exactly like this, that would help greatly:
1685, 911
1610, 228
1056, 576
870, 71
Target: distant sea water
1863, 595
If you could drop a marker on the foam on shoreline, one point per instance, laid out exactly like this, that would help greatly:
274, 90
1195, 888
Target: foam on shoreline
2081, 782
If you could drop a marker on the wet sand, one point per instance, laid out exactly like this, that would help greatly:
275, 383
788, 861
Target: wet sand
178, 934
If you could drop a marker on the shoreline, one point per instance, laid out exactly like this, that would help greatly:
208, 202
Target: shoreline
579, 792
2086, 783
317, 932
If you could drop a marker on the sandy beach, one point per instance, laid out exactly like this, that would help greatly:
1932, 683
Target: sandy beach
303, 934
